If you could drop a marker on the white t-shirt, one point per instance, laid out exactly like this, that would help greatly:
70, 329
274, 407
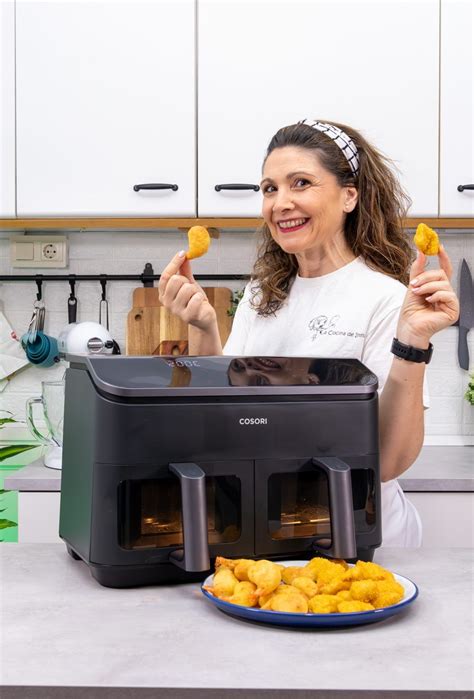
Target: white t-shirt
352, 312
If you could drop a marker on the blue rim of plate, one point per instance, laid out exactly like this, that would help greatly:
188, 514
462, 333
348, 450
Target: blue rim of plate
309, 619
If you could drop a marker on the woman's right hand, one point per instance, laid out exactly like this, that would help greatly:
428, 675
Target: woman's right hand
181, 294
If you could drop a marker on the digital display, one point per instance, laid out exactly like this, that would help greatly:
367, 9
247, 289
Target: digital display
182, 372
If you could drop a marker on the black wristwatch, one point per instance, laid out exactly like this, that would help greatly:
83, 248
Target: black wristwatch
411, 354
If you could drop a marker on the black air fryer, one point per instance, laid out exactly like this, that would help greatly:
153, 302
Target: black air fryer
169, 462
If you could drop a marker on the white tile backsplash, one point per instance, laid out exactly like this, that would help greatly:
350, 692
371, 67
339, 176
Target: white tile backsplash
126, 252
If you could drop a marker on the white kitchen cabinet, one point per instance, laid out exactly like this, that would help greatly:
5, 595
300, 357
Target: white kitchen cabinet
7, 109
265, 64
447, 518
457, 107
105, 101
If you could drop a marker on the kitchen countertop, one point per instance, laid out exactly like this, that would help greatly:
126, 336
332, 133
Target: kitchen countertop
437, 469
64, 634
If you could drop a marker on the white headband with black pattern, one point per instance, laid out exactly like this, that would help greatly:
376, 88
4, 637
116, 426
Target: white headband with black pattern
340, 138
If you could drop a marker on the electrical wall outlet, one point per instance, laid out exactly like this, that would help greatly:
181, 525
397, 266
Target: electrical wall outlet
38, 250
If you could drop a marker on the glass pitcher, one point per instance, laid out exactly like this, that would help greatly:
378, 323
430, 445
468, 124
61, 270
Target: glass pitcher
52, 402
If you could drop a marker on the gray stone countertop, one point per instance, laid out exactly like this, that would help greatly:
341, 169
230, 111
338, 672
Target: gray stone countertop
64, 634
437, 469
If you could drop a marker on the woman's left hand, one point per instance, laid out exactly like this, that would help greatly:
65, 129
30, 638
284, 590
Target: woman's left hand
430, 303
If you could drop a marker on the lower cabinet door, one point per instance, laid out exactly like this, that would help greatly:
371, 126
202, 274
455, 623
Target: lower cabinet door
38, 518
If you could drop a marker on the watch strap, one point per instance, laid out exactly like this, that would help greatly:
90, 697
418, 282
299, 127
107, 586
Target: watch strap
411, 354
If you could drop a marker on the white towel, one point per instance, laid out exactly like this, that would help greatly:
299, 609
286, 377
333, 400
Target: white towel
12, 355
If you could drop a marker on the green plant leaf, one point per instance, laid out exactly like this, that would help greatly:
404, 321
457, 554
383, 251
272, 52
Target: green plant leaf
4, 420
7, 523
7, 452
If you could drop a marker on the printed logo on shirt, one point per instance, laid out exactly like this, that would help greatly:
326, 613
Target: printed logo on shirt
324, 325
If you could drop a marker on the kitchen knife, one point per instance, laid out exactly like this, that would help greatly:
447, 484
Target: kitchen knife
466, 314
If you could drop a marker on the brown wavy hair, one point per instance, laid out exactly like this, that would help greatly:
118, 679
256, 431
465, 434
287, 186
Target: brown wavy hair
373, 230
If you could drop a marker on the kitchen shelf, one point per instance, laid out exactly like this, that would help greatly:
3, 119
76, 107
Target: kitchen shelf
97, 223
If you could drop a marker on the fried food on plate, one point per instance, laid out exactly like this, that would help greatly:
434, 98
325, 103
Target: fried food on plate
244, 594
426, 240
266, 576
224, 583
321, 586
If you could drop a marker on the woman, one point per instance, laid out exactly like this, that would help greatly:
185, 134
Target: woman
330, 280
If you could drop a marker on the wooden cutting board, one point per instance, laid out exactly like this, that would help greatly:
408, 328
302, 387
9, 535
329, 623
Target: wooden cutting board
152, 329
143, 322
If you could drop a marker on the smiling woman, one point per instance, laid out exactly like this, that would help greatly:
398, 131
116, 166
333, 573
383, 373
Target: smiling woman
330, 281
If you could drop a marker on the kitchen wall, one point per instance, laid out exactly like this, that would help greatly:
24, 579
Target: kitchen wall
450, 419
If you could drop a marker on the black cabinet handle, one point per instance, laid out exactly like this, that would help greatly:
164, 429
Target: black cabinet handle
462, 187
155, 185
218, 187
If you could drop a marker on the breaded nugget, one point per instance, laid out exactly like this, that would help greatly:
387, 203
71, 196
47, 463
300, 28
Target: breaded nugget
353, 606
289, 573
323, 604
199, 241
306, 585
426, 240
294, 602
364, 590
372, 571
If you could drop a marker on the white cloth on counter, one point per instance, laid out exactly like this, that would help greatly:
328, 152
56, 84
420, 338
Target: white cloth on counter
352, 312
12, 355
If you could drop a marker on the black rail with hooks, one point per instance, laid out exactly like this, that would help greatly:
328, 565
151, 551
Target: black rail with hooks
147, 277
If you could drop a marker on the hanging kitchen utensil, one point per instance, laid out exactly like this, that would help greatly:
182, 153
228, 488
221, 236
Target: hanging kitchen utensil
104, 306
37, 319
72, 303
466, 315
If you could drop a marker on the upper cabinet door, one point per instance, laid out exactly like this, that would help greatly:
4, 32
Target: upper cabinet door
105, 101
265, 64
7, 108
457, 107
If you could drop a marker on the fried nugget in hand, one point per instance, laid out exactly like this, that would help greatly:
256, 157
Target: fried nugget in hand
199, 241
426, 240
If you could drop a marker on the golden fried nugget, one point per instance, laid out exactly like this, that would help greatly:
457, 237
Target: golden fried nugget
323, 604
330, 572
315, 565
306, 585
426, 240
242, 567
266, 576
389, 592
244, 594
225, 562
372, 571
293, 602
288, 574
223, 583
386, 599
334, 586
364, 590
199, 241
353, 606
344, 595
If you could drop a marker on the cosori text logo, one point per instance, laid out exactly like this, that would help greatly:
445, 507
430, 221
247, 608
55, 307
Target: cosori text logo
253, 421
